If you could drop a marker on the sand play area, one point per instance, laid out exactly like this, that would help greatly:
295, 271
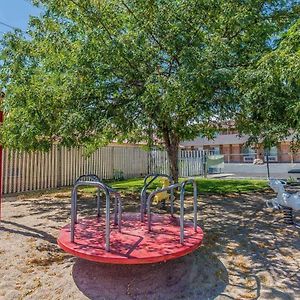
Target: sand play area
247, 253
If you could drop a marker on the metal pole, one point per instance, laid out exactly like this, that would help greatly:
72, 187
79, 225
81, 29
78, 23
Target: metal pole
98, 203
268, 166
182, 194
143, 204
195, 205
149, 210
143, 195
107, 191
169, 188
73, 213
116, 211
172, 202
107, 225
75, 205
1, 153
119, 214
195, 196
181, 220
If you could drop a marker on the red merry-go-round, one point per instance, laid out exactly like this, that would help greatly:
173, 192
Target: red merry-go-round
131, 238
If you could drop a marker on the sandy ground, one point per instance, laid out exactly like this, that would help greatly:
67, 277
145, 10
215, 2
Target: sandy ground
247, 254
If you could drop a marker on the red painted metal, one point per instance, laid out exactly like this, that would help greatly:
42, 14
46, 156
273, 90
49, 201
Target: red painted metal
134, 245
1, 150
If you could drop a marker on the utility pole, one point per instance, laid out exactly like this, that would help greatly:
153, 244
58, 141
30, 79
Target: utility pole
268, 166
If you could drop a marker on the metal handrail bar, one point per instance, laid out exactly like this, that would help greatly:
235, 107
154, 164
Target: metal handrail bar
155, 175
107, 190
195, 196
91, 176
144, 190
152, 194
95, 177
182, 194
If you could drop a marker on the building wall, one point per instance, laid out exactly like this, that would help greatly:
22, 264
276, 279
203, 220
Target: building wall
296, 157
250, 170
233, 153
236, 151
225, 150
283, 152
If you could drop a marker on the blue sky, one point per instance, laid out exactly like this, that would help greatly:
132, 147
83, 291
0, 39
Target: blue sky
16, 13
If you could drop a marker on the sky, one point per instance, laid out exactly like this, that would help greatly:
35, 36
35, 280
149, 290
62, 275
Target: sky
16, 14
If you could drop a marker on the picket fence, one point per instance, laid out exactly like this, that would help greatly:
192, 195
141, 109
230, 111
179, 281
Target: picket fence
61, 166
190, 163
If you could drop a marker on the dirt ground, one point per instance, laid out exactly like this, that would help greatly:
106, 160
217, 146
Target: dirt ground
247, 253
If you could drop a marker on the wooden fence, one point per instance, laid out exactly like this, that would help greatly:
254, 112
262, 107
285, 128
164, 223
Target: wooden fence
61, 166
190, 163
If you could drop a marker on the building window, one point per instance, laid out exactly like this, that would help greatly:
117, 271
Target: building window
273, 154
248, 154
215, 149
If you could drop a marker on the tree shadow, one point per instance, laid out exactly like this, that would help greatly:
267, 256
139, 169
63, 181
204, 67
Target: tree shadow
58, 209
26, 231
195, 276
258, 249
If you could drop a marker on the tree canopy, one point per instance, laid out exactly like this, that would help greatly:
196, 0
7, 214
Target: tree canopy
270, 91
100, 70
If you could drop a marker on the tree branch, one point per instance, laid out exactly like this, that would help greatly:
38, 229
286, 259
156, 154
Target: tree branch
89, 14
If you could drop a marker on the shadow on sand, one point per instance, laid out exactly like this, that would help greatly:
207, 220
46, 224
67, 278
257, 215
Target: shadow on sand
195, 276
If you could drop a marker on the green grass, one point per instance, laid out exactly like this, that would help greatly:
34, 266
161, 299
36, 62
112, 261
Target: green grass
212, 186
228, 186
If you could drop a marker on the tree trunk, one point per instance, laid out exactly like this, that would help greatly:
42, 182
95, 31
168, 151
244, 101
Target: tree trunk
173, 161
172, 146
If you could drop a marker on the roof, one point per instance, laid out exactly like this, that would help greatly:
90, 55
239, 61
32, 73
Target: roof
221, 139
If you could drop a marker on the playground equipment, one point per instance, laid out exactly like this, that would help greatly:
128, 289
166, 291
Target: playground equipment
108, 191
147, 182
131, 238
162, 196
284, 201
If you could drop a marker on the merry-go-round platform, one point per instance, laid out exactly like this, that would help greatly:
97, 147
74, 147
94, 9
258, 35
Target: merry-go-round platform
134, 244
131, 238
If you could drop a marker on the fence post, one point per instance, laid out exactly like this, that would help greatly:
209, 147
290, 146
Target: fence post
205, 164
148, 161
58, 167
112, 161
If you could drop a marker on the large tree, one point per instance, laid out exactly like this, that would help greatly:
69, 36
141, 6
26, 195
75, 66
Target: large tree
92, 71
270, 92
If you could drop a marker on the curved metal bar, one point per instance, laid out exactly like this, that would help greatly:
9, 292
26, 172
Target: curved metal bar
182, 194
118, 210
144, 190
94, 177
107, 190
169, 188
155, 175
98, 203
